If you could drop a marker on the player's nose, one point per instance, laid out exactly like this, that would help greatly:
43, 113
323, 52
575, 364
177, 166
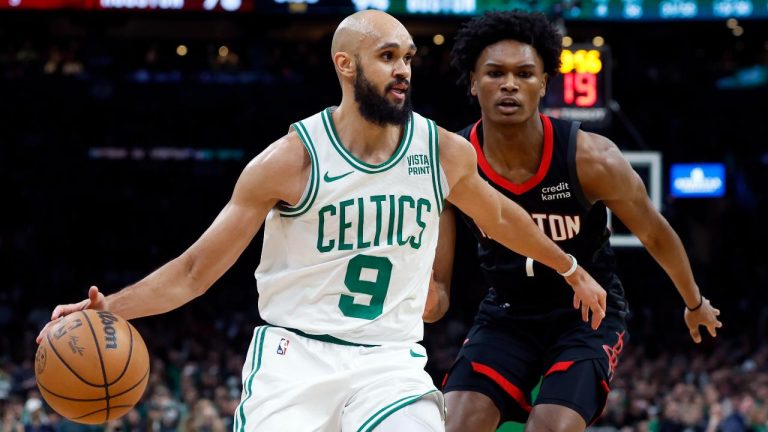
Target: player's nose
509, 83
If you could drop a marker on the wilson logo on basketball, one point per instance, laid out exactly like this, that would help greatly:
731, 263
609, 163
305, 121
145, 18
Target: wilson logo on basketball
83, 381
110, 335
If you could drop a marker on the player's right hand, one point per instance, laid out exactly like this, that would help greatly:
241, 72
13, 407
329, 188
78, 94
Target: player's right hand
95, 300
588, 296
705, 315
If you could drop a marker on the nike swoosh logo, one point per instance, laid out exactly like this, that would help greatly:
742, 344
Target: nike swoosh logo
415, 354
329, 179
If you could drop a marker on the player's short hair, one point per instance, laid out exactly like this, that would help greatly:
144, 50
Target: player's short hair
487, 29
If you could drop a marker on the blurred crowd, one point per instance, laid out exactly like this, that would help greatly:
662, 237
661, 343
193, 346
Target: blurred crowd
195, 385
725, 390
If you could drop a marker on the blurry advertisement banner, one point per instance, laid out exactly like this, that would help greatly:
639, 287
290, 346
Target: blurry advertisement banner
610, 10
148, 5
697, 180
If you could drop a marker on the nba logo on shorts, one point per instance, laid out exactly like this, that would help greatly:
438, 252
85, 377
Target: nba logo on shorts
282, 347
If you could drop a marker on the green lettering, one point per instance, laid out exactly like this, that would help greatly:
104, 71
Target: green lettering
331, 209
423, 203
361, 244
378, 199
343, 224
401, 207
391, 219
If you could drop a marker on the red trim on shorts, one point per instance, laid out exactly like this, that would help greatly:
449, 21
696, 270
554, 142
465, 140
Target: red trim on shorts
508, 387
516, 188
605, 386
445, 380
606, 389
560, 366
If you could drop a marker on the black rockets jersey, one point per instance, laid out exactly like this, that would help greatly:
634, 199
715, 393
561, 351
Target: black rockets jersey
555, 200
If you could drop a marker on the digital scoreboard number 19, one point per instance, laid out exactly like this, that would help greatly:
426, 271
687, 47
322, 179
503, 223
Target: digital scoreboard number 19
581, 91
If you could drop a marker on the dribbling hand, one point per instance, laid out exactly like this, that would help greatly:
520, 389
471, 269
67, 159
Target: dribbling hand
95, 300
706, 316
588, 296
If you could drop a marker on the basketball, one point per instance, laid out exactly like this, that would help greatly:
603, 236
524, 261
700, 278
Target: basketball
92, 366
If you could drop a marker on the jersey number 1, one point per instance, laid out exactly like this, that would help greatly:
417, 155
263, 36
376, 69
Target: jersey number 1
377, 288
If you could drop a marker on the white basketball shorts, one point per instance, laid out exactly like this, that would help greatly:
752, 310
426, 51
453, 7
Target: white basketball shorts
293, 383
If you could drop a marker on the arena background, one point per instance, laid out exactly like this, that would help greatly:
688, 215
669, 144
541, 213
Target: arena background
117, 151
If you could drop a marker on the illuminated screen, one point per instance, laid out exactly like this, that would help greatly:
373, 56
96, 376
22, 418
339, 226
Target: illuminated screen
149, 5
581, 91
701, 180
584, 9
616, 10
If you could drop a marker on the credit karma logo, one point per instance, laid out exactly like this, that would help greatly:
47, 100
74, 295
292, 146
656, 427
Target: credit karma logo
702, 180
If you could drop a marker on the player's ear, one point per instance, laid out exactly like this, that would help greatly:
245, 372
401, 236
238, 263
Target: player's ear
344, 63
472, 84
544, 81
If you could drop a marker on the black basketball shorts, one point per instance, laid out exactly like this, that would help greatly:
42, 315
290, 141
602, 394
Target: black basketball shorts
574, 363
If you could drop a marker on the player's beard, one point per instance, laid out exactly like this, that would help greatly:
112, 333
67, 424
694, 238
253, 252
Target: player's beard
375, 107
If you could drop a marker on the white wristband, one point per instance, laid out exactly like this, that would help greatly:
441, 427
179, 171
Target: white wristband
572, 270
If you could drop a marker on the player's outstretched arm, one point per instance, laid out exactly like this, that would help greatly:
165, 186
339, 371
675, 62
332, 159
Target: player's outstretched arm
606, 175
439, 296
196, 269
507, 223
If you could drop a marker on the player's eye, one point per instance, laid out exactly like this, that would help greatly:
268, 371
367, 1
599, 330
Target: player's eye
387, 55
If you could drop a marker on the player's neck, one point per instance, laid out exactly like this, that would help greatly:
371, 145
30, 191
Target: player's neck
514, 146
367, 141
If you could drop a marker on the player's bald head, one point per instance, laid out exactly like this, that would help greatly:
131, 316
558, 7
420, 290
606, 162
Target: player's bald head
363, 26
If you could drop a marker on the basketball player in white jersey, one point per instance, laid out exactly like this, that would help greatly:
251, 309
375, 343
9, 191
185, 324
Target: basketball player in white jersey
352, 198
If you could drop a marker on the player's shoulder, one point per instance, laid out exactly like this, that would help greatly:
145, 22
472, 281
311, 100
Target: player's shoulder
457, 156
286, 155
598, 159
595, 148
453, 142
279, 172
467, 131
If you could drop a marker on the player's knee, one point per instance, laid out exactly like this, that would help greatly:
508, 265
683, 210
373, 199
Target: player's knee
470, 411
421, 416
551, 418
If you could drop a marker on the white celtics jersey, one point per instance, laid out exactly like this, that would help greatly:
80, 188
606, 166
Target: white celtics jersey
353, 259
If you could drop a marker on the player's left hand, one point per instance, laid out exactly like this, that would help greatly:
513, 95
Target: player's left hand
706, 316
437, 302
588, 295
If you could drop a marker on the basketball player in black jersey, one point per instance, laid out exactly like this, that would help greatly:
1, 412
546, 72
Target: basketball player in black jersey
565, 178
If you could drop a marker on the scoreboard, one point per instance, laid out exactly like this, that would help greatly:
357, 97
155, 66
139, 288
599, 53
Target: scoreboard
582, 89
610, 10
149, 5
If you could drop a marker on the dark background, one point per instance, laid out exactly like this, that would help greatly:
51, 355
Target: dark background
91, 103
